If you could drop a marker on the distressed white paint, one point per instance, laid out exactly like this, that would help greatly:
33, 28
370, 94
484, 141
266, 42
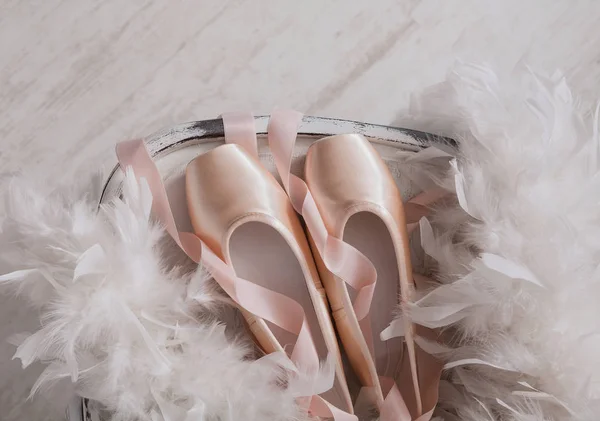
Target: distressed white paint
76, 76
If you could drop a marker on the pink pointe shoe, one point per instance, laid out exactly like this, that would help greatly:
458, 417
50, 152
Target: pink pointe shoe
357, 230
359, 202
240, 211
246, 225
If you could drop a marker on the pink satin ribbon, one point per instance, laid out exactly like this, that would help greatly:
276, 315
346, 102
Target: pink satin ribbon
418, 207
262, 302
239, 129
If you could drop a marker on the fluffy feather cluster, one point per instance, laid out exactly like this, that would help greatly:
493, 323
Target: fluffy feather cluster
518, 255
131, 331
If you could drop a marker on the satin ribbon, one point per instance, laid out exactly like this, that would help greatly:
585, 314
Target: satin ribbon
276, 308
418, 207
239, 129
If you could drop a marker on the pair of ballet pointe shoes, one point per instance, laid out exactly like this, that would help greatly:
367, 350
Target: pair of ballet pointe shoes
350, 267
245, 216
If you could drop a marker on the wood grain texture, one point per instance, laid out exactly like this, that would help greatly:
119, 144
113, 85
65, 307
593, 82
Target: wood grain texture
76, 76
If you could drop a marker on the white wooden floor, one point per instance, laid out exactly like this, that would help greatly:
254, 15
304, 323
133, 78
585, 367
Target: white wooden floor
76, 76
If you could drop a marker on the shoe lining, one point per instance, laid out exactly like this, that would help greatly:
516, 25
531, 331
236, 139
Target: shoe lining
261, 255
369, 234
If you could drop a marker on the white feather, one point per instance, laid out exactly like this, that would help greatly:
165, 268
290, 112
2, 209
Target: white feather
92, 261
508, 268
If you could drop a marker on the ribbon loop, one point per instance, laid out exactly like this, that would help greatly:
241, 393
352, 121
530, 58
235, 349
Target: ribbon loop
239, 129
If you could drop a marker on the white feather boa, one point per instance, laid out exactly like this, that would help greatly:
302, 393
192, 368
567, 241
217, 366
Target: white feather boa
129, 330
516, 259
